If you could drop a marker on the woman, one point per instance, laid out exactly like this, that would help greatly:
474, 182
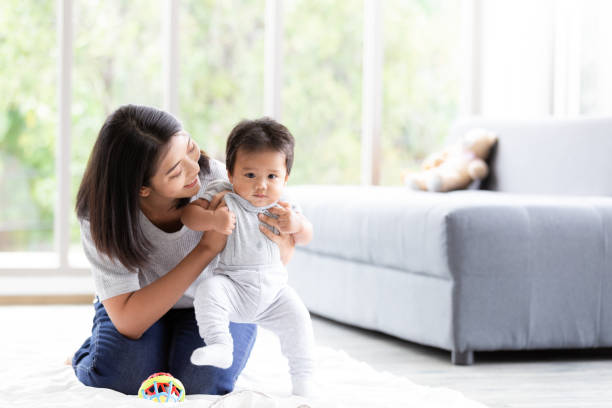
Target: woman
143, 170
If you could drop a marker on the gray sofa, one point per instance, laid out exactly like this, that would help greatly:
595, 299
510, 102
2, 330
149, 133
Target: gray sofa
524, 262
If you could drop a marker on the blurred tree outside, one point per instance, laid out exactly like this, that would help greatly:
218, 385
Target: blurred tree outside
221, 45
118, 59
321, 90
28, 124
421, 81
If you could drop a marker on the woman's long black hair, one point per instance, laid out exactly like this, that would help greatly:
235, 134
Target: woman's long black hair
124, 158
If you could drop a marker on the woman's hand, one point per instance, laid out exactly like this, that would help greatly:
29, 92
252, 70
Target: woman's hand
285, 242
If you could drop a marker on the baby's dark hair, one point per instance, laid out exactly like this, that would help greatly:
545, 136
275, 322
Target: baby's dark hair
259, 135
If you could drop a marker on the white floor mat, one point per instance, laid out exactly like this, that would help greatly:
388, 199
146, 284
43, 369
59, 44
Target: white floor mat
35, 341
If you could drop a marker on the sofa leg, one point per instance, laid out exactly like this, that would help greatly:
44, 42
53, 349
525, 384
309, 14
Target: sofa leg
462, 357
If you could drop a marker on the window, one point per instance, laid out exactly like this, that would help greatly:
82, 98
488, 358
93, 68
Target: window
28, 122
421, 80
596, 58
117, 60
557, 63
321, 89
221, 68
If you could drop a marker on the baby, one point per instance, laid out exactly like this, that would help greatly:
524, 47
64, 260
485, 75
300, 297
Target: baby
249, 284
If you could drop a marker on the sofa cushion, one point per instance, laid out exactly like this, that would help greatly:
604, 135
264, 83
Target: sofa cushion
548, 156
450, 235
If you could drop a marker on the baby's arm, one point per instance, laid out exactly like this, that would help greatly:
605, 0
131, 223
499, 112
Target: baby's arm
305, 235
198, 217
294, 223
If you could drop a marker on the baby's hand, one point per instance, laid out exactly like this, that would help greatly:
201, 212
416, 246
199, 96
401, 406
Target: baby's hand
224, 220
288, 221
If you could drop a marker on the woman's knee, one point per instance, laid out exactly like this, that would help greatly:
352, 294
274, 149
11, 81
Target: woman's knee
109, 360
205, 379
244, 336
125, 382
208, 379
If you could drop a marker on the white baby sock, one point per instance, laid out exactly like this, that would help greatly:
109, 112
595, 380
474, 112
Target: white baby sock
218, 355
304, 387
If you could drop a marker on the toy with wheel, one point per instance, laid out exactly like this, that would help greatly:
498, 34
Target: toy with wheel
162, 387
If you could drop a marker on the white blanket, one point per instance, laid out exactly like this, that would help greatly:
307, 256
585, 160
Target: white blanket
36, 340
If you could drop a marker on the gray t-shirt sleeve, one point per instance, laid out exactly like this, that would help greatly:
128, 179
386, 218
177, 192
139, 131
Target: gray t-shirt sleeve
111, 278
217, 171
215, 187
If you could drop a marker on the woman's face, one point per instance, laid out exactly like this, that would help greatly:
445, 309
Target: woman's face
177, 171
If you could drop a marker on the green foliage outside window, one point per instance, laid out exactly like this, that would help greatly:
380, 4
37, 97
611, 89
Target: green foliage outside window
28, 123
321, 91
118, 53
221, 44
117, 47
421, 79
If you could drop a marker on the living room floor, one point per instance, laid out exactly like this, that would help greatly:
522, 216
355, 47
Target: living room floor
567, 378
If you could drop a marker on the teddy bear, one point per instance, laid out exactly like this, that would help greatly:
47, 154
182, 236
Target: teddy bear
456, 166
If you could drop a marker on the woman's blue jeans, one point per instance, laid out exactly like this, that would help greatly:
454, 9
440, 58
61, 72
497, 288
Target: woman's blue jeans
110, 360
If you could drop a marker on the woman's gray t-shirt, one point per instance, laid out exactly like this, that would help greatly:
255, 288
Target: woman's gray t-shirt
112, 278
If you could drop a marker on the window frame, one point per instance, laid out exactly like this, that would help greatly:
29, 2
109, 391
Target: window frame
371, 106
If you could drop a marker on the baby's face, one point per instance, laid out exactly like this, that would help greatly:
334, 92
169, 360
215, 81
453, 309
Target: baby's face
259, 177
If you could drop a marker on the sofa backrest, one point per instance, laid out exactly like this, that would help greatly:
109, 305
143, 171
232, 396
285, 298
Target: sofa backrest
547, 156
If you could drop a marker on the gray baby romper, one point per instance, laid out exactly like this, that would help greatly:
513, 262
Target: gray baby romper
249, 285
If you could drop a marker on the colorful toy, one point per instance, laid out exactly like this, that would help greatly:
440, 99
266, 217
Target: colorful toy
162, 387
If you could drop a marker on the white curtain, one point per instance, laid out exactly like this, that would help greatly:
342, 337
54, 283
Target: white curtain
545, 57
